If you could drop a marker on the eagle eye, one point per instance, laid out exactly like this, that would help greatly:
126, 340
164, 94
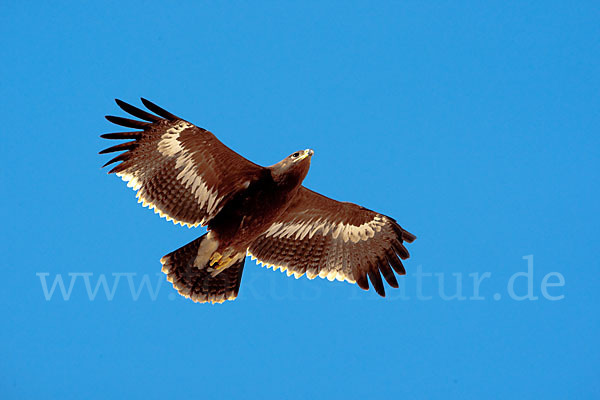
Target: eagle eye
296, 155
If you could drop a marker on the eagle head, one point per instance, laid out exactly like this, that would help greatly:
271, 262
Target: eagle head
293, 169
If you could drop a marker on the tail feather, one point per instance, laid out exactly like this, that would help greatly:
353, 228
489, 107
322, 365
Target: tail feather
196, 282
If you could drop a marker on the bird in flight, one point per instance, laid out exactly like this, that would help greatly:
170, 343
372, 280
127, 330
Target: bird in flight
185, 174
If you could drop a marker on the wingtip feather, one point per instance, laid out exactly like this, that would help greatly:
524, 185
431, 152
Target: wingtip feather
362, 282
120, 147
158, 110
376, 281
123, 135
408, 237
136, 112
129, 123
388, 274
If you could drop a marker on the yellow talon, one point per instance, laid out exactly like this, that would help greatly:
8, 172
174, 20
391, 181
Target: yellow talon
216, 257
223, 263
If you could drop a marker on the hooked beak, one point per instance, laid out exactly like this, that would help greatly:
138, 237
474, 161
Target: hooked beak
306, 153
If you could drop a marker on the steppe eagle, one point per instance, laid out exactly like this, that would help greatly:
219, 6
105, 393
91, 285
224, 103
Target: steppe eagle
189, 177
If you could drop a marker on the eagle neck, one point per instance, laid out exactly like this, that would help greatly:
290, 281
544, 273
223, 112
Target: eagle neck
287, 182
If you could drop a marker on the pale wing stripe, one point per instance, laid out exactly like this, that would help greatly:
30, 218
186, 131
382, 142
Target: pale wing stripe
170, 146
345, 232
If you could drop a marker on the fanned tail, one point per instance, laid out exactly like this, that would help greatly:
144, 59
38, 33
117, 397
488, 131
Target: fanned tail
197, 282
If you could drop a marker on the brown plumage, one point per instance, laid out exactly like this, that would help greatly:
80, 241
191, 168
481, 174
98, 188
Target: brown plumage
188, 176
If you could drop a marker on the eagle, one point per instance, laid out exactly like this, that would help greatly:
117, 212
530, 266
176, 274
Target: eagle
186, 175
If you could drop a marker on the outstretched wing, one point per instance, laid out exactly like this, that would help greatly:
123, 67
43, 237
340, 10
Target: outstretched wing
318, 236
181, 171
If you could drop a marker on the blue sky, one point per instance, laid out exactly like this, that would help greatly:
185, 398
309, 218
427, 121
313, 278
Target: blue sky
475, 125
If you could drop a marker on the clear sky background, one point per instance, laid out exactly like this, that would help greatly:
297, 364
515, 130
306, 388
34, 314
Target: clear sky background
474, 124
